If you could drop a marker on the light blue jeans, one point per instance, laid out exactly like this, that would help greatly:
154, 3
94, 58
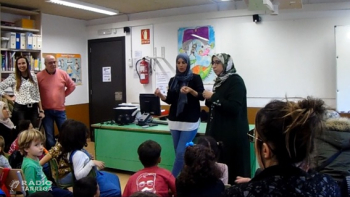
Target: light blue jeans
52, 116
180, 138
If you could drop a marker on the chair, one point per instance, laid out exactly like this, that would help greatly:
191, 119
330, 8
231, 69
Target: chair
14, 181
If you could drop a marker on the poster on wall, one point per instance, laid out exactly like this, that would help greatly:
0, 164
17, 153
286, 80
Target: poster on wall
145, 36
199, 44
71, 63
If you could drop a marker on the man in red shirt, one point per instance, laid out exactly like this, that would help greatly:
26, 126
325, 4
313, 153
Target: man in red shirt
152, 178
54, 86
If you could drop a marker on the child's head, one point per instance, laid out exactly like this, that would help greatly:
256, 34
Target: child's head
24, 125
86, 187
200, 167
212, 144
285, 130
73, 135
2, 145
149, 153
29, 138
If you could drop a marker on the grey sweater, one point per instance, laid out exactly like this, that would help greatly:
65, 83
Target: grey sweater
4, 162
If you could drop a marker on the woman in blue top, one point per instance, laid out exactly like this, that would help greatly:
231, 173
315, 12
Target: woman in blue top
184, 93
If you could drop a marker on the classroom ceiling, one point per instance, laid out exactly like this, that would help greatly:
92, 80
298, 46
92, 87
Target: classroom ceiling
137, 6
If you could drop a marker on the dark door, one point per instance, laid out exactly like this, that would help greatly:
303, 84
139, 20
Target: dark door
106, 77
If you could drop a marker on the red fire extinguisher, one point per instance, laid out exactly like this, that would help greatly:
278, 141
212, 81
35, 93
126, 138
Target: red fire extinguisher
143, 71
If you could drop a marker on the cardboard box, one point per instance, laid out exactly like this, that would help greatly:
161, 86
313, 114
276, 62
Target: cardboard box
25, 23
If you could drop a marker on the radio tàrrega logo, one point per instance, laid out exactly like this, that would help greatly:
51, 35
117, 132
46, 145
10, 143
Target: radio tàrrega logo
14, 184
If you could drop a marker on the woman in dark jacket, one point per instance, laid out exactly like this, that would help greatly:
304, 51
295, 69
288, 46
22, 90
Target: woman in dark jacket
336, 137
184, 92
228, 121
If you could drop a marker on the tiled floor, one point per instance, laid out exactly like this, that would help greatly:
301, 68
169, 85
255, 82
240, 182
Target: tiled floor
123, 176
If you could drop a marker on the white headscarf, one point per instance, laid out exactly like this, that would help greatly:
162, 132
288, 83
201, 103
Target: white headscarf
7, 122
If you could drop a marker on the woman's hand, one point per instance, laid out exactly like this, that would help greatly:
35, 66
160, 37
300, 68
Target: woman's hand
99, 164
186, 90
207, 94
242, 180
41, 115
158, 93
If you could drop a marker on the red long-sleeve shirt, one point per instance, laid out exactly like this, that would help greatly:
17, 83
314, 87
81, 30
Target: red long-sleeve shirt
54, 88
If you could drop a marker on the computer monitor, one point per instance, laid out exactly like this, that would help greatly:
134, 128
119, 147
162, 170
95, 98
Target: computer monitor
149, 103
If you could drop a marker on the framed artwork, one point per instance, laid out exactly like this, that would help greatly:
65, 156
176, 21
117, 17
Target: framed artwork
71, 63
199, 44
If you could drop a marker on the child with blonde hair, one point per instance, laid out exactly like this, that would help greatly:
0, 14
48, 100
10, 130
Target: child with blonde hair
30, 144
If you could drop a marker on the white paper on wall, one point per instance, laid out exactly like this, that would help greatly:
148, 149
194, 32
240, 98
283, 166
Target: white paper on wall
162, 80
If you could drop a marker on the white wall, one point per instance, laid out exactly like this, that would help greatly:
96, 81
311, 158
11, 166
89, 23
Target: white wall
291, 54
67, 35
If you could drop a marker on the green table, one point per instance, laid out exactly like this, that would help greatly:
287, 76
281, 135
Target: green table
117, 145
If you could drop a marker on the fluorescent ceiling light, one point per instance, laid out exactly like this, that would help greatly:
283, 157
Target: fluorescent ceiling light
200, 37
84, 6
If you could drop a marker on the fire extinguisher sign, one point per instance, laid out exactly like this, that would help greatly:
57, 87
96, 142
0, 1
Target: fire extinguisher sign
145, 36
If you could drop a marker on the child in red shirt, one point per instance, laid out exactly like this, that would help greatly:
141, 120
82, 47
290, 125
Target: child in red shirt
152, 178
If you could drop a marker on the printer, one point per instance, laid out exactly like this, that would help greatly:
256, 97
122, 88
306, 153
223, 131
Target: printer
125, 114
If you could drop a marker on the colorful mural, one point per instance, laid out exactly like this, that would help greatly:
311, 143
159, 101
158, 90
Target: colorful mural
199, 44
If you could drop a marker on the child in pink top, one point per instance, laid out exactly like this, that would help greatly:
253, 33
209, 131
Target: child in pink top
23, 125
152, 178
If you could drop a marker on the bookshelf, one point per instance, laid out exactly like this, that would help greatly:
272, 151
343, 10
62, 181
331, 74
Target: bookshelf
20, 36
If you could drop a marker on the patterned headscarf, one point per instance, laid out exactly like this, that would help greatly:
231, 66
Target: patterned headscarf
181, 79
229, 69
7, 122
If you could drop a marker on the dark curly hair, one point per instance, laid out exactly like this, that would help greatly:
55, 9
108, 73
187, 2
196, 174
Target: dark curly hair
212, 144
289, 128
73, 135
200, 168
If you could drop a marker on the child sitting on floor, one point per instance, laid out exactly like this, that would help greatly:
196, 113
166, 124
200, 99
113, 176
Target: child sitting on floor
86, 187
4, 162
63, 176
73, 139
23, 125
152, 178
200, 175
216, 148
30, 144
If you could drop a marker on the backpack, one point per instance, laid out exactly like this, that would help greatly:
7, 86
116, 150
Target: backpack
16, 159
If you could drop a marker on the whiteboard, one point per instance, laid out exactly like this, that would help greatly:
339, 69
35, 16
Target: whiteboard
342, 41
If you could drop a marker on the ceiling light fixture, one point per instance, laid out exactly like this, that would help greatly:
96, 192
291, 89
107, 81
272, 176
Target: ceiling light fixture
84, 6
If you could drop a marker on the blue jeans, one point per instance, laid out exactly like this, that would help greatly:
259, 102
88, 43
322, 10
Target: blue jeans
52, 116
180, 138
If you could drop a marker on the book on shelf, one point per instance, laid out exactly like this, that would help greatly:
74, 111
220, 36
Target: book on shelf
9, 59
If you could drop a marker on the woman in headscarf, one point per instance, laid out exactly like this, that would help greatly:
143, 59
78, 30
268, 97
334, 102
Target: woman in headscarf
228, 120
7, 128
184, 92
